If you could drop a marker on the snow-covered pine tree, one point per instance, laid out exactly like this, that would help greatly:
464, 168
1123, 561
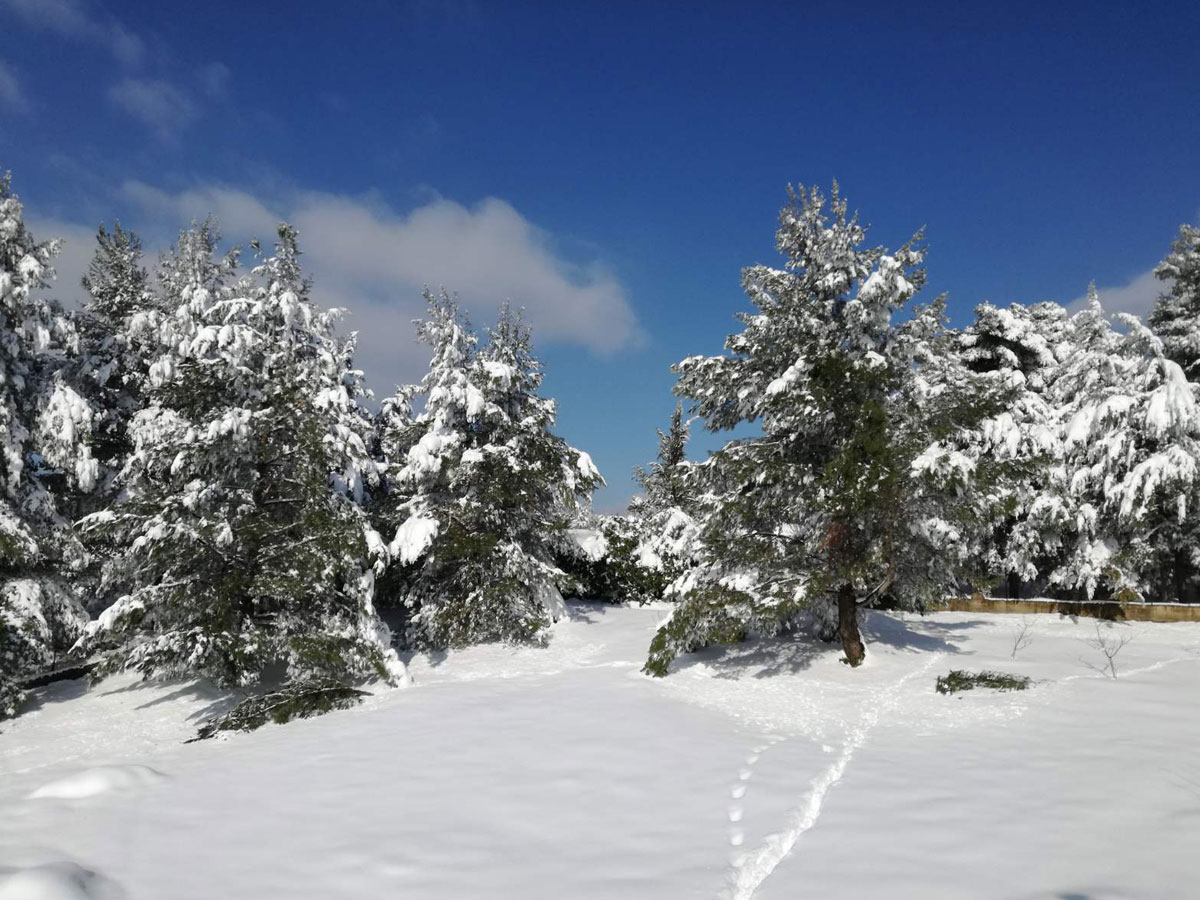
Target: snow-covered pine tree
44, 426
483, 490
118, 339
241, 531
654, 544
1023, 347
418, 451
665, 482
1132, 462
855, 489
1176, 315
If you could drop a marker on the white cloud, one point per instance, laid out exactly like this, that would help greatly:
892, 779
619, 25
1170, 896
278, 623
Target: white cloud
11, 94
158, 105
81, 21
1136, 297
374, 261
78, 245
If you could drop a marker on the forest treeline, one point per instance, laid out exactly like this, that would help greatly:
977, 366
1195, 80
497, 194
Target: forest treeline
195, 484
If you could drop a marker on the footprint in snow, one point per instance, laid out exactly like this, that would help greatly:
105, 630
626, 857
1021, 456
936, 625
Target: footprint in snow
738, 791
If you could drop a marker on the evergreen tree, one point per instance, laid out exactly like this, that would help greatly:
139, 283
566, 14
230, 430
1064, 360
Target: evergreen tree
656, 542
44, 426
665, 483
483, 489
856, 489
118, 339
1131, 460
1176, 315
1023, 348
241, 532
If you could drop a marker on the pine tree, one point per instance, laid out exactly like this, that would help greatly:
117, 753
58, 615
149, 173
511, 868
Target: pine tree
118, 339
483, 490
656, 542
1132, 461
855, 490
1023, 348
1176, 315
665, 483
44, 427
249, 553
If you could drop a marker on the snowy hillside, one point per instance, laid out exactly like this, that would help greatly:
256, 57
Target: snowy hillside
563, 772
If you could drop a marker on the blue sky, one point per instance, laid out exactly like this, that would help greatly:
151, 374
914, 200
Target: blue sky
611, 166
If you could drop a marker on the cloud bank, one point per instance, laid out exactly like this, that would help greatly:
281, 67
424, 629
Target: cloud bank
374, 261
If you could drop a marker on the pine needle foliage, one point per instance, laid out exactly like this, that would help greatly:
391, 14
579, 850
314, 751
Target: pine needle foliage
299, 700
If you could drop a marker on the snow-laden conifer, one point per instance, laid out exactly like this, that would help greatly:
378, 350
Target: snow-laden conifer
1023, 348
1132, 460
657, 541
854, 490
247, 552
44, 453
118, 341
482, 489
1176, 315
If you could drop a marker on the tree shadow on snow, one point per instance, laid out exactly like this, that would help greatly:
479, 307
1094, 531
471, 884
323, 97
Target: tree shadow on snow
58, 692
219, 700
433, 658
930, 636
758, 657
795, 651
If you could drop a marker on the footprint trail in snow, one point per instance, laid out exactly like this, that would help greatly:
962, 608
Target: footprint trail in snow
738, 791
749, 871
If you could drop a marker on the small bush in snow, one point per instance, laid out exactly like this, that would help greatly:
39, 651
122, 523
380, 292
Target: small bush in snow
959, 680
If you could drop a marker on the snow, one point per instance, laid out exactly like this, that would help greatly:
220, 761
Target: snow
592, 543
413, 538
766, 770
502, 373
53, 881
586, 467
98, 780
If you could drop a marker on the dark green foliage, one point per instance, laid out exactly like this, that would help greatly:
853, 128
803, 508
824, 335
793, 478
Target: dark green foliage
626, 579
300, 700
960, 680
730, 615
620, 575
482, 591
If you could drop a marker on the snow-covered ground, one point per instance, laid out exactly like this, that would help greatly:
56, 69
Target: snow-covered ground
767, 771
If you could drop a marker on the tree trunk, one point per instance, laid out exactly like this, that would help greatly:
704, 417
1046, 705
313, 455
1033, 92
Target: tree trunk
1179, 576
848, 625
1014, 586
